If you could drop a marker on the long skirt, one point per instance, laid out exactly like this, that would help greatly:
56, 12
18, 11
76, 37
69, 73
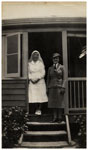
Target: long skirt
37, 92
55, 98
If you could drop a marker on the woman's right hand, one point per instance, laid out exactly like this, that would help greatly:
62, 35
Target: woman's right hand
34, 82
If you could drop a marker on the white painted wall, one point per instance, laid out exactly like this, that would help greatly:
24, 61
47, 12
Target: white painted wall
16, 10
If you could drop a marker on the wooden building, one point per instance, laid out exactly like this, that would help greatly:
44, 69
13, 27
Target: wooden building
65, 34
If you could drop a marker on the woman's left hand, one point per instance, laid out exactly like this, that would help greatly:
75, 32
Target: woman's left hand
62, 91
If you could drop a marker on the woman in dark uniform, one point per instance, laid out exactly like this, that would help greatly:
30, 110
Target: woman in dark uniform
56, 88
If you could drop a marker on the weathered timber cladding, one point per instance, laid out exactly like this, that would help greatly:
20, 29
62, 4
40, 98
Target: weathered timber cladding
13, 86
14, 92
11, 91
13, 97
13, 103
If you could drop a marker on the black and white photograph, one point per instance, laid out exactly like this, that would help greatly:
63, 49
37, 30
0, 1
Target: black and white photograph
43, 60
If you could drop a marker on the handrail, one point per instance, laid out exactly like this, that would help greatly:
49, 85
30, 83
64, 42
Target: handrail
76, 79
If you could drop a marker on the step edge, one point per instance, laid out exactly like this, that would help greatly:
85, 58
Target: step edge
36, 133
43, 144
45, 123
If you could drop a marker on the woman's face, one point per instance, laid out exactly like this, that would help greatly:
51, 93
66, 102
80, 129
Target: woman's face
56, 60
35, 56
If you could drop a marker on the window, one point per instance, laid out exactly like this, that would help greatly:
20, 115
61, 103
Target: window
12, 55
77, 56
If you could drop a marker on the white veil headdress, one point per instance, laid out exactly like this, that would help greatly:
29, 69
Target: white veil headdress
39, 59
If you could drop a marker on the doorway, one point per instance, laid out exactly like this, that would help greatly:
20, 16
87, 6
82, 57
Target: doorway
46, 43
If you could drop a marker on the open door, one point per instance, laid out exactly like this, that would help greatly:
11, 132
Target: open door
46, 43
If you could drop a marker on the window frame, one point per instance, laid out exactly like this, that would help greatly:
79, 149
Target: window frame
80, 35
7, 75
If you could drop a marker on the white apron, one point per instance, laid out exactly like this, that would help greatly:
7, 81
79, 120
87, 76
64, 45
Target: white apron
37, 91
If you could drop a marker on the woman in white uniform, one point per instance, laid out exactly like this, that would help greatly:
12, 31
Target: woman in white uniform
37, 87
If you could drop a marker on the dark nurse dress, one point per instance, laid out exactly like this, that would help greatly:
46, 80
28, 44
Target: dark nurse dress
55, 82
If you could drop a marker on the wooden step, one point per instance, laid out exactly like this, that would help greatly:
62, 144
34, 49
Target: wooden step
46, 126
43, 115
42, 136
45, 123
44, 144
36, 133
40, 118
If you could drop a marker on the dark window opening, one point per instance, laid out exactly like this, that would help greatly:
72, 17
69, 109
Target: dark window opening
76, 65
46, 43
12, 44
12, 63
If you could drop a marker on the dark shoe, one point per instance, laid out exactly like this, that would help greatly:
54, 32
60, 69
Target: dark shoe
54, 120
59, 120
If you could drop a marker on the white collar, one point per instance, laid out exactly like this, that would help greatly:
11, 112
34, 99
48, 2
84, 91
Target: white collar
57, 65
35, 62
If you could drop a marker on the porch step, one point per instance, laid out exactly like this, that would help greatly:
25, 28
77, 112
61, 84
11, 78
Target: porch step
45, 123
46, 126
40, 118
41, 136
45, 134
60, 144
36, 133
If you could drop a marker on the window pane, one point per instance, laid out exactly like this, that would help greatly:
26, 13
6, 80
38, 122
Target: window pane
12, 44
76, 65
12, 63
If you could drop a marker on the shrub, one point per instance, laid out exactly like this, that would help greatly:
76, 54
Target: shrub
13, 125
81, 136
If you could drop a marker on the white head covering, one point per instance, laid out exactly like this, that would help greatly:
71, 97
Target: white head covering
39, 58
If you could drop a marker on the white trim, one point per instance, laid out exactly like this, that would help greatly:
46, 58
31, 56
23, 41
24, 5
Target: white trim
76, 35
77, 109
19, 56
13, 33
12, 54
65, 57
77, 79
